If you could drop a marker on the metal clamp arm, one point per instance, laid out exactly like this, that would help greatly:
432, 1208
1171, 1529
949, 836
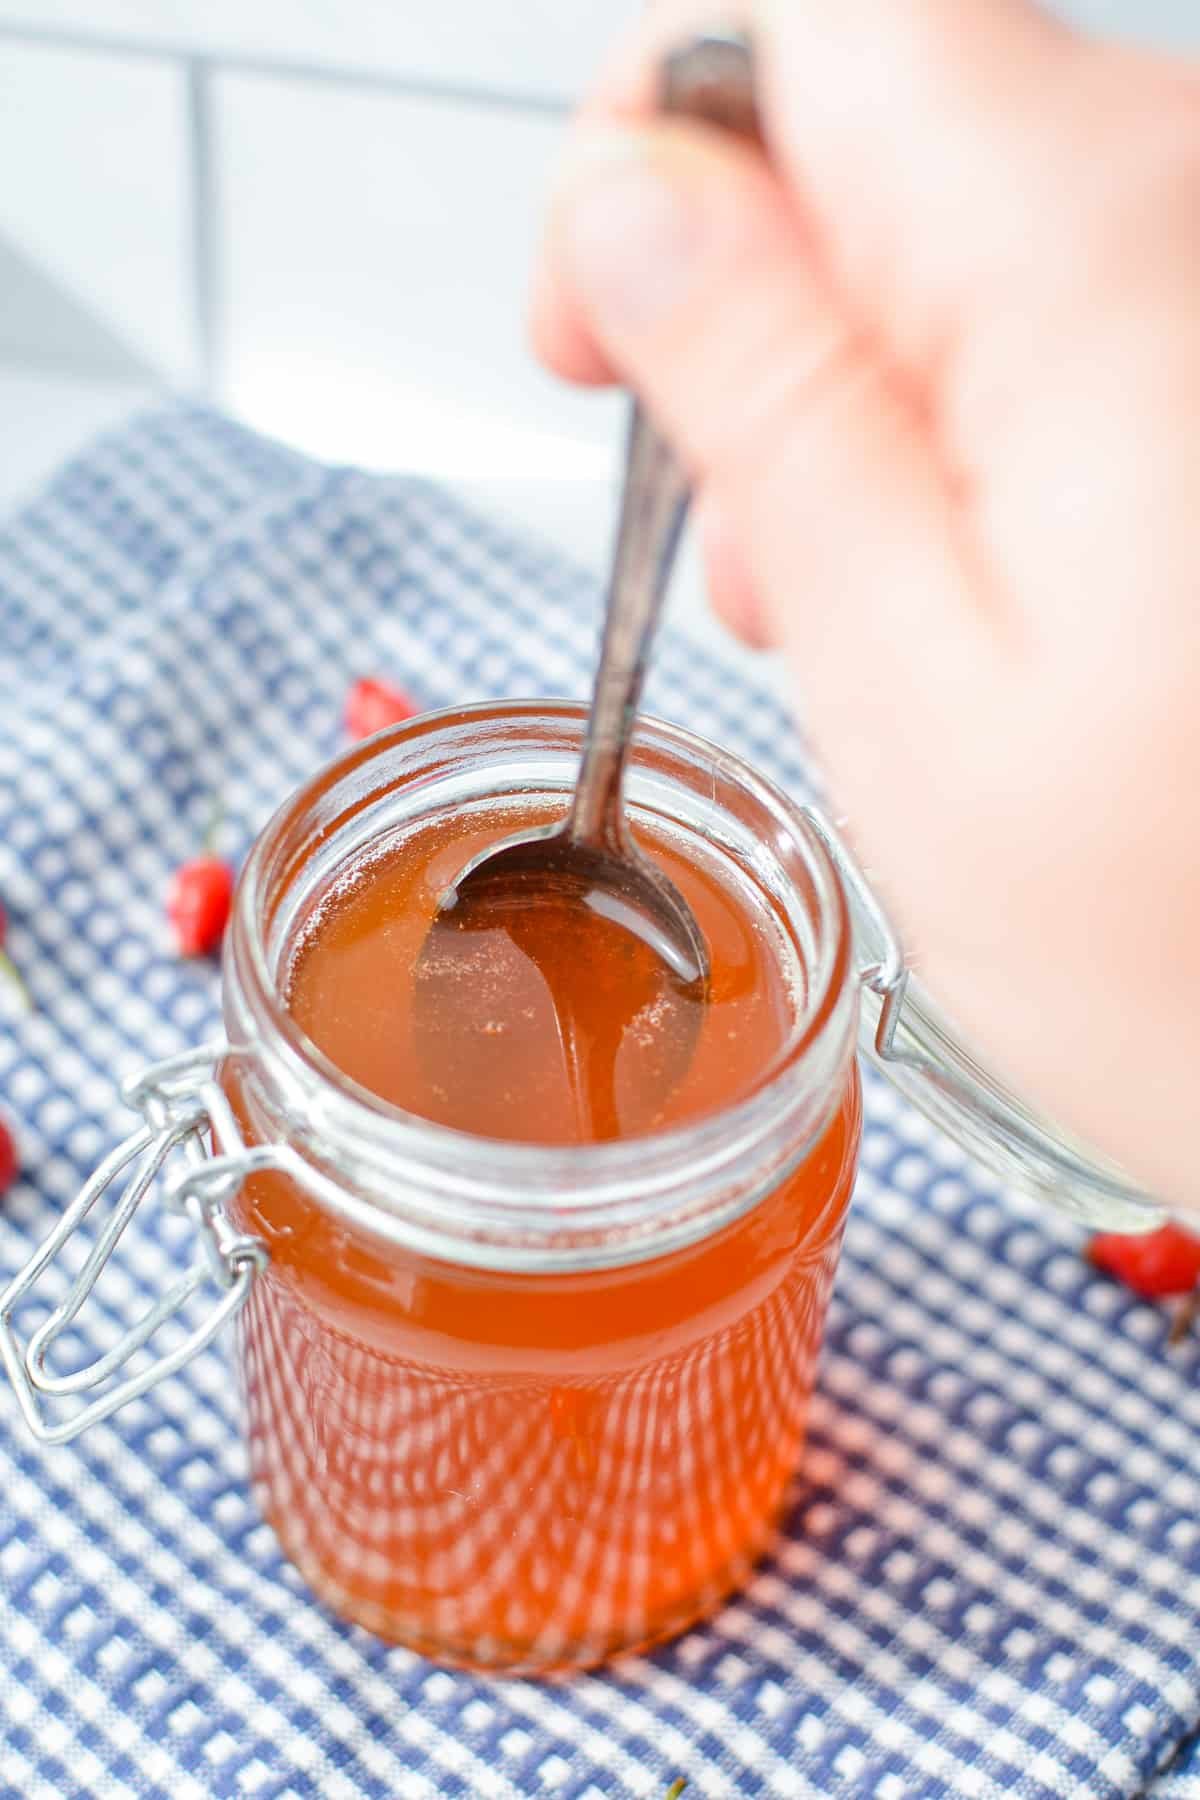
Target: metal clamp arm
182, 1105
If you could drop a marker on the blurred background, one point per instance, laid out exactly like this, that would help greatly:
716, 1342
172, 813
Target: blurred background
320, 214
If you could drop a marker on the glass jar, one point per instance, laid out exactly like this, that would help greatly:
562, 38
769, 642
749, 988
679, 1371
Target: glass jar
517, 1407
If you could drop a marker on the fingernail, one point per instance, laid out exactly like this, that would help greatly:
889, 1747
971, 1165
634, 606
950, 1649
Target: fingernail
632, 238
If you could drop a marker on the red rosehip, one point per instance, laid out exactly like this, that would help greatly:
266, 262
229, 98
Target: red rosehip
1158, 1265
198, 903
371, 705
9, 1167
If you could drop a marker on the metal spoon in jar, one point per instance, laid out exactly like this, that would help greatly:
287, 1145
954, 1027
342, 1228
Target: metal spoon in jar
494, 951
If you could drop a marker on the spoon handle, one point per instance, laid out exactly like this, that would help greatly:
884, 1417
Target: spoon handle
710, 79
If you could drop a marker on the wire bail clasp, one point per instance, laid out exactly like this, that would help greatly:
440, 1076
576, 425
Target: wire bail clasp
181, 1105
885, 974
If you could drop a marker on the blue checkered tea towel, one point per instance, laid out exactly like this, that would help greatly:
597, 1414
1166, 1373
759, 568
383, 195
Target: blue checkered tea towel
989, 1583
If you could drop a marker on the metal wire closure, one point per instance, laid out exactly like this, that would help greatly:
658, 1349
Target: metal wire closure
181, 1105
926, 1061
886, 974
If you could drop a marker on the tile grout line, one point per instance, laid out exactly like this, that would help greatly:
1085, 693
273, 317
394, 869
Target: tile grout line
204, 205
411, 87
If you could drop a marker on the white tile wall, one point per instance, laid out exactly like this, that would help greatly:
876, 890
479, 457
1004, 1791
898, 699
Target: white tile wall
532, 47
94, 191
375, 254
363, 266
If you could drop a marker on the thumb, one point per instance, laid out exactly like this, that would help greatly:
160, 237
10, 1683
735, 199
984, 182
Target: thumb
695, 278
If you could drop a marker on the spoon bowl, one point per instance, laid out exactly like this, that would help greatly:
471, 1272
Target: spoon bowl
552, 981
623, 886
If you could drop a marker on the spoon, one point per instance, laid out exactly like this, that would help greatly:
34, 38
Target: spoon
524, 929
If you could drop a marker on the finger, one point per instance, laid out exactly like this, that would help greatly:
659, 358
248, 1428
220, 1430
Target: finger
625, 92
924, 138
731, 590
559, 333
699, 285
914, 136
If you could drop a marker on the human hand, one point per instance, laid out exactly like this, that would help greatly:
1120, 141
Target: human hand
935, 369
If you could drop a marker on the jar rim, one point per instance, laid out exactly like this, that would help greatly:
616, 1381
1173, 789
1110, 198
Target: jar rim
583, 1177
